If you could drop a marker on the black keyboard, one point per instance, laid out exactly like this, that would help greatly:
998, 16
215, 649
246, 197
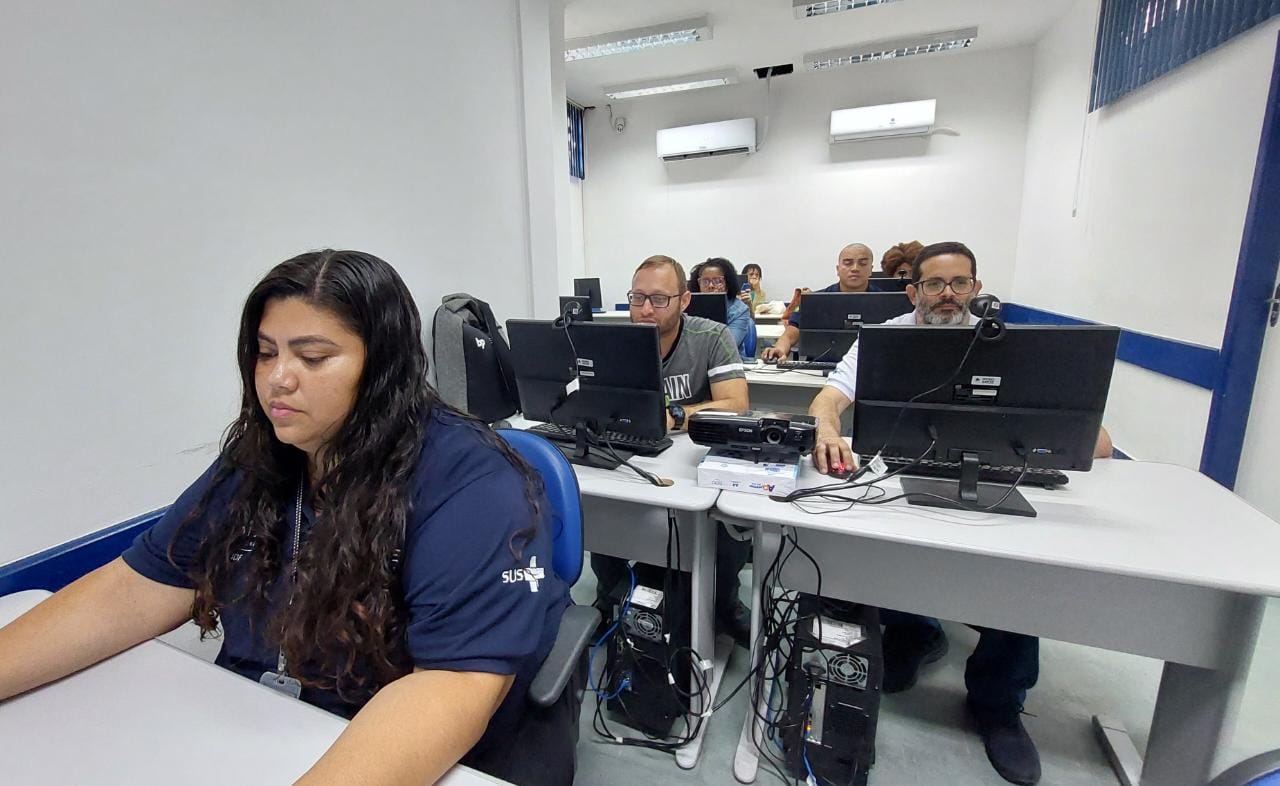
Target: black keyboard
632, 444
807, 365
1002, 476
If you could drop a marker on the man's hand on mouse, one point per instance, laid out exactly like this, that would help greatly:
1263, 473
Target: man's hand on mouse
832, 454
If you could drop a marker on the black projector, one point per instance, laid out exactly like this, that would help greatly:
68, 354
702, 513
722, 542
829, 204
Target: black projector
765, 434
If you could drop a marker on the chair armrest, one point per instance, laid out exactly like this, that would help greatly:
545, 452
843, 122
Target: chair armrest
576, 627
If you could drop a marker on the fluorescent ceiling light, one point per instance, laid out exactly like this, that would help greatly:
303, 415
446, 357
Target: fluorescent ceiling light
807, 8
884, 50
685, 31
673, 84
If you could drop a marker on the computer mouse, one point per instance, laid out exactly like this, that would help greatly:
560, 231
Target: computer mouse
769, 361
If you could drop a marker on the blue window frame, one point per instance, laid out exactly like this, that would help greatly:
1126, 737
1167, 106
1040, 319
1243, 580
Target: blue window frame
1139, 40
577, 144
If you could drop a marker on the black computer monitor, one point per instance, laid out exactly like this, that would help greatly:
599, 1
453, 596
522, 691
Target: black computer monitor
829, 321
888, 284
589, 288
1035, 396
709, 305
593, 377
578, 306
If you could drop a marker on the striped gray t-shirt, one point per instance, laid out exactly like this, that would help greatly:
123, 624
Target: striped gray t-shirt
703, 353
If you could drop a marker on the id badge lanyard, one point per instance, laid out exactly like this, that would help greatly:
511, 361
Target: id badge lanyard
280, 679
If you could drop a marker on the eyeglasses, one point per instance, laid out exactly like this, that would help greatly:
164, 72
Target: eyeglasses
712, 282
961, 285
637, 299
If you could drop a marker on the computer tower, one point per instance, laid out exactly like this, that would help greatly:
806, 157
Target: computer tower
655, 626
834, 678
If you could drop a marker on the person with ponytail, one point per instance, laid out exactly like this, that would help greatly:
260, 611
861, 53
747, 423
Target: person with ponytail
357, 544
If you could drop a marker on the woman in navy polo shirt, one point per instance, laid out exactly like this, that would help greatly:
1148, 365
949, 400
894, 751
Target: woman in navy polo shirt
357, 541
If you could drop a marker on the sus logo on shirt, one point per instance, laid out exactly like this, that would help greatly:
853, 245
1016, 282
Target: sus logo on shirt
532, 574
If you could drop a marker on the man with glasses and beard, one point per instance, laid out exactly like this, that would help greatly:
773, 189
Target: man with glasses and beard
701, 369
1004, 666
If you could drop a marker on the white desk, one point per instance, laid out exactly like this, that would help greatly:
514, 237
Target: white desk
156, 715
612, 316
1151, 559
625, 516
770, 332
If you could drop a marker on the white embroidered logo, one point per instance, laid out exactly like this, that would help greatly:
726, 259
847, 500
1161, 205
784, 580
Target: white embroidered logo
532, 574
481, 343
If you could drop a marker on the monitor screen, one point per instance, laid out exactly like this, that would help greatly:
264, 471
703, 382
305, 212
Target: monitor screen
1034, 398
829, 321
709, 305
589, 288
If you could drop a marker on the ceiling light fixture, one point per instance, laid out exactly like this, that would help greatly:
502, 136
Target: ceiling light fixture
685, 31
806, 8
673, 84
884, 50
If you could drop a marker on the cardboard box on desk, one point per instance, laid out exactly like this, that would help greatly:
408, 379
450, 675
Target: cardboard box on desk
733, 470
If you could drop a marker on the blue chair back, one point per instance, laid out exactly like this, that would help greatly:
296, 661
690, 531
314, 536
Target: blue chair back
565, 516
749, 343
1261, 770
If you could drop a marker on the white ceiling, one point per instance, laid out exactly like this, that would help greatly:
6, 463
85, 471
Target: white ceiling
752, 33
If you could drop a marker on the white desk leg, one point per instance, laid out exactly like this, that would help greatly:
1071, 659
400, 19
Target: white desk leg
746, 761
1195, 710
702, 616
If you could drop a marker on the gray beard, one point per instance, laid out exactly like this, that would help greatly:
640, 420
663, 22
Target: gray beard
960, 317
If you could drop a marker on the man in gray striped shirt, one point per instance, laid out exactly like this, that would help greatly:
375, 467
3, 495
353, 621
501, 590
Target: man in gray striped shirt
701, 369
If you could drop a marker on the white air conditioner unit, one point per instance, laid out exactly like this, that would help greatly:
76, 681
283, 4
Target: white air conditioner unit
707, 139
912, 118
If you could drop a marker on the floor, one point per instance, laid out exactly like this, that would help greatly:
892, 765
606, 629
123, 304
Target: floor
923, 738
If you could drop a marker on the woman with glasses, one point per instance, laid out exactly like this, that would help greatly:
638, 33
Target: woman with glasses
718, 275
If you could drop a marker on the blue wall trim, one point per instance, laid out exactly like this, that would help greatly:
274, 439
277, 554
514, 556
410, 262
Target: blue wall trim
55, 568
1191, 363
1247, 318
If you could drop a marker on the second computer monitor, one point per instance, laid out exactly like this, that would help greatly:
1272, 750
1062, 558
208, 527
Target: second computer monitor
601, 376
589, 288
578, 307
709, 305
1035, 397
829, 321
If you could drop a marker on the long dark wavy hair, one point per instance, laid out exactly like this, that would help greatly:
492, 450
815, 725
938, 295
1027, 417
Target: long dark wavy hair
345, 627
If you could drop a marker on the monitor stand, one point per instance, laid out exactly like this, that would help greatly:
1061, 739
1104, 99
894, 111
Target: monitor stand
584, 454
967, 492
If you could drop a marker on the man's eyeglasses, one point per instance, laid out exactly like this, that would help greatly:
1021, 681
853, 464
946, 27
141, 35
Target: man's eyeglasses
712, 282
961, 285
659, 300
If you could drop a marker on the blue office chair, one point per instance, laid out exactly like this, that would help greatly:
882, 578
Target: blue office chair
1261, 770
565, 520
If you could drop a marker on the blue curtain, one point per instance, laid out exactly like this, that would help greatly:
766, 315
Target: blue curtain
577, 144
1138, 40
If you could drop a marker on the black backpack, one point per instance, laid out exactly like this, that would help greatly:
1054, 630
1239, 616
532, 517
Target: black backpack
471, 359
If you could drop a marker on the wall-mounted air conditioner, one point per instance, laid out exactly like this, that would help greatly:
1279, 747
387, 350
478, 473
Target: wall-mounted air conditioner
707, 139
911, 118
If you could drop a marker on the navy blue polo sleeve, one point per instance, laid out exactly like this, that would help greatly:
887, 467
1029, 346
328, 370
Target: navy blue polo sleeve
473, 605
149, 553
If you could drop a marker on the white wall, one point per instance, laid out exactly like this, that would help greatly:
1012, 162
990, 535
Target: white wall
159, 157
1164, 177
791, 206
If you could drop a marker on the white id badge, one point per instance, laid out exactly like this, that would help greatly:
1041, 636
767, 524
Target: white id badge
281, 682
